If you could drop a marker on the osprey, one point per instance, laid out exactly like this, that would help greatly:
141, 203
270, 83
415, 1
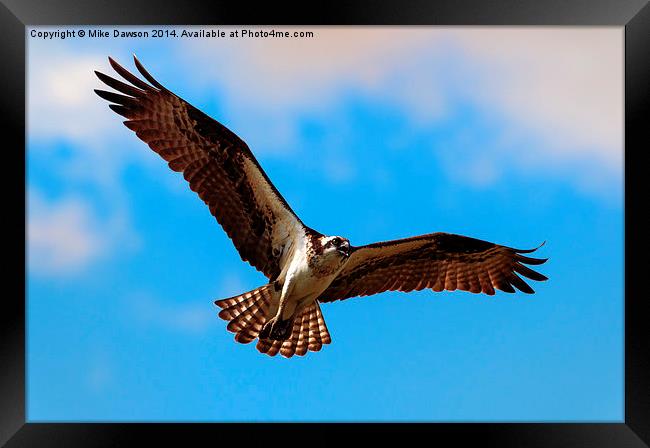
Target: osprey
304, 267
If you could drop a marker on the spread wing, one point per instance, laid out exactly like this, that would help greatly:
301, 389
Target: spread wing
218, 165
437, 261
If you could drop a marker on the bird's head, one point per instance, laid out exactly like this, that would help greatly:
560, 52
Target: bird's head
336, 245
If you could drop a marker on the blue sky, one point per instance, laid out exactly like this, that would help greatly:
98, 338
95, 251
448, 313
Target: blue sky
511, 135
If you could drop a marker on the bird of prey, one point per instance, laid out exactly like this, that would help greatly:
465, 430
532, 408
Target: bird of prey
304, 267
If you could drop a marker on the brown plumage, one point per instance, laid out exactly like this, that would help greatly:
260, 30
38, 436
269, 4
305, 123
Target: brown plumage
246, 314
304, 267
438, 261
309, 334
218, 165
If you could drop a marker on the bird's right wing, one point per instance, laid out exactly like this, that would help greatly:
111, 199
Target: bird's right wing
218, 165
436, 261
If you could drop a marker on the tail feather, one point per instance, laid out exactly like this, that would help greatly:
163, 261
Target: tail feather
303, 336
268, 346
324, 333
246, 312
236, 309
315, 343
251, 317
309, 333
234, 306
288, 347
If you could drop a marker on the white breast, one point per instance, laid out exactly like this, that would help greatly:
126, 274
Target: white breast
305, 286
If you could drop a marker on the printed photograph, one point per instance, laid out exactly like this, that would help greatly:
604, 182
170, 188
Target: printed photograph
325, 224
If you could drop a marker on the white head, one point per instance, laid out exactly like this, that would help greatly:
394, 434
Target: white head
335, 246
328, 254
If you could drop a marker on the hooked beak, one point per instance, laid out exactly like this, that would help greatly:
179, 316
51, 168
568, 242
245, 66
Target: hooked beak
345, 249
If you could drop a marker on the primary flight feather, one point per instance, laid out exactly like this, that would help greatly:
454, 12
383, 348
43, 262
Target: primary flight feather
304, 267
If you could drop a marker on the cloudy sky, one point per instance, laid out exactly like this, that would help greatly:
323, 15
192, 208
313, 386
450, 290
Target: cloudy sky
512, 135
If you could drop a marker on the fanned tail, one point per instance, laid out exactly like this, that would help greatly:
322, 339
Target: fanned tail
309, 333
246, 312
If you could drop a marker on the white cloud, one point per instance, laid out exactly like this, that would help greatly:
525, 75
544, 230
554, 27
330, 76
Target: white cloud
66, 234
279, 79
62, 104
563, 84
185, 315
62, 237
63, 108
190, 317
294, 71
560, 86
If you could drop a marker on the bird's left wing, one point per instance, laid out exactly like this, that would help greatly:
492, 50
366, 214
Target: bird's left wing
218, 165
436, 261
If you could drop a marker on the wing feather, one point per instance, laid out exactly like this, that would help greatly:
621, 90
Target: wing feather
438, 261
216, 163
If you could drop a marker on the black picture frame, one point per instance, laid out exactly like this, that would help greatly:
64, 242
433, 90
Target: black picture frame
634, 15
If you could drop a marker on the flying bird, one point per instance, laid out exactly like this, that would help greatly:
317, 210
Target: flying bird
304, 267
